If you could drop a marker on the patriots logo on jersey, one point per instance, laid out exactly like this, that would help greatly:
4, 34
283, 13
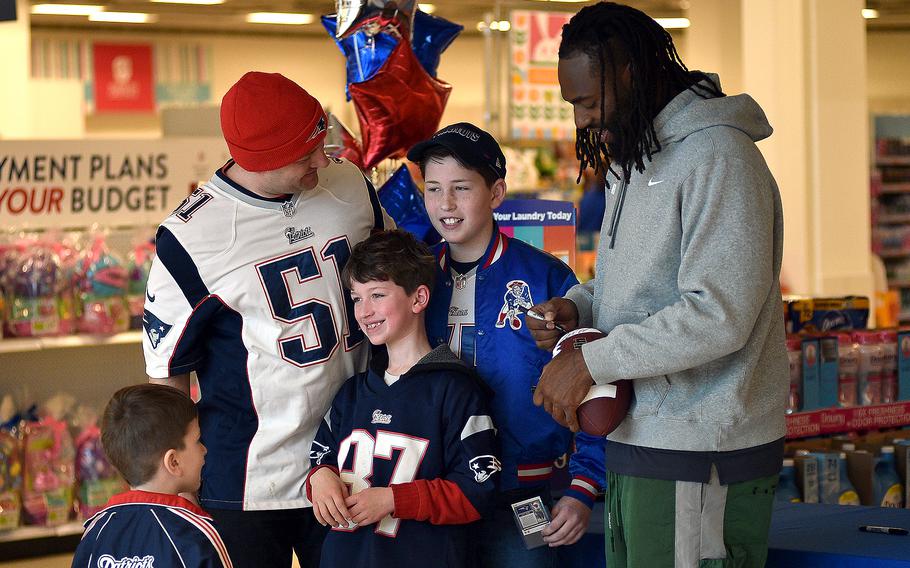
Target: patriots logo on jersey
295, 235
320, 128
380, 418
108, 561
154, 328
516, 300
319, 451
484, 467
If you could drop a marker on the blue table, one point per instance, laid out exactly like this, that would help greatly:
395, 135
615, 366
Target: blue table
807, 535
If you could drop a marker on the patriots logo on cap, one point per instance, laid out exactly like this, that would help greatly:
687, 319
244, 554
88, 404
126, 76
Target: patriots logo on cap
484, 467
154, 328
321, 127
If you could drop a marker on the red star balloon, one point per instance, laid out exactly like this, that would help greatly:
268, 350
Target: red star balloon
399, 107
340, 143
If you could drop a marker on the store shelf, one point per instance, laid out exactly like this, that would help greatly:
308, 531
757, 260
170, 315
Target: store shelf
31, 533
25, 344
896, 218
895, 188
839, 420
892, 161
894, 253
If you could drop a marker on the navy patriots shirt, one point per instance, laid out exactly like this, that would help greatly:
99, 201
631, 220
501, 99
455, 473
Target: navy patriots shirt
145, 529
429, 437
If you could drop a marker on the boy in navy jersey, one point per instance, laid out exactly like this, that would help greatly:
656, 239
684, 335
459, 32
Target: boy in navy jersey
486, 282
406, 456
151, 434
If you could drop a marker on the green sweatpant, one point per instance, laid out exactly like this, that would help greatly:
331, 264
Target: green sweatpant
654, 523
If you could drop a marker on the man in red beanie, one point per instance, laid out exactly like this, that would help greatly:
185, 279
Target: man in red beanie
245, 291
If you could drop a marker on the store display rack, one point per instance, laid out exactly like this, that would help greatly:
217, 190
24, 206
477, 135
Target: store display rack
30, 542
841, 420
25, 344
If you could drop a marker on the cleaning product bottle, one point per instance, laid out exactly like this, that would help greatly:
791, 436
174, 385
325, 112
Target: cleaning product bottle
887, 488
847, 369
889, 365
786, 487
794, 353
847, 494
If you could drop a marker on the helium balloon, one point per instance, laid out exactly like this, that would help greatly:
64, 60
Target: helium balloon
399, 107
432, 36
372, 16
401, 199
340, 143
364, 55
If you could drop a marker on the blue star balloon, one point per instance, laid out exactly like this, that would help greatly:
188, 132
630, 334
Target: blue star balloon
432, 36
365, 54
403, 201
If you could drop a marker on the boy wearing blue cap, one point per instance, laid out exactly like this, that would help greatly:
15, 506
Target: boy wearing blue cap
485, 282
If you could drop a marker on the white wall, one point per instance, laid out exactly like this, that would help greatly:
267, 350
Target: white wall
314, 62
887, 72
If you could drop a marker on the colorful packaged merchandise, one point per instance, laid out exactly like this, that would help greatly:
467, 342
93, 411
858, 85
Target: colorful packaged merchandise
10, 467
819, 315
97, 479
102, 291
47, 498
67, 249
140, 263
33, 288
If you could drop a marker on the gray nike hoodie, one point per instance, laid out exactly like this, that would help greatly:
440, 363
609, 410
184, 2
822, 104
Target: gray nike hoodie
686, 284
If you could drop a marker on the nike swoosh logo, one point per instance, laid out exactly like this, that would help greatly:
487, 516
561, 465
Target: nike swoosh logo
149, 296
652, 182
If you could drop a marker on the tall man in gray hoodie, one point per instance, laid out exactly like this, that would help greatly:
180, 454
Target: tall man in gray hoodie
686, 286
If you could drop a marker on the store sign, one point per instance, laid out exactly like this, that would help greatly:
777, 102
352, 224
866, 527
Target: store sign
536, 108
548, 225
123, 78
75, 183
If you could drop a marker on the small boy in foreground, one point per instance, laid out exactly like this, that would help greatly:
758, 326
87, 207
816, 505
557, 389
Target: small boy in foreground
405, 458
151, 435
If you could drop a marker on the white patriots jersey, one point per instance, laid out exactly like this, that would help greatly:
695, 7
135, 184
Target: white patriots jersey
461, 316
246, 291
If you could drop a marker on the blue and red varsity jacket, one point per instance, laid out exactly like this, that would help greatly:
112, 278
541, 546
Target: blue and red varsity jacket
510, 362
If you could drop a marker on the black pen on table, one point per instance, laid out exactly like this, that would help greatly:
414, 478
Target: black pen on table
884, 530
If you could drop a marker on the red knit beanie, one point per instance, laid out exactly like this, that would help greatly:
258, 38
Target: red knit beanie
269, 121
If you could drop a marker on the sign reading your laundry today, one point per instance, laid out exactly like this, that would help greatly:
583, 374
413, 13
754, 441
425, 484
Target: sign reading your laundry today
63, 184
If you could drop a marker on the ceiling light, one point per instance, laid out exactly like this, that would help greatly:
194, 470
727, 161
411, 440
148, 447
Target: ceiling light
279, 18
495, 25
122, 17
672, 23
65, 9
198, 2
427, 8
870, 14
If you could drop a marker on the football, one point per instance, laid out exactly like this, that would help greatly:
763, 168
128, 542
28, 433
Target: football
605, 406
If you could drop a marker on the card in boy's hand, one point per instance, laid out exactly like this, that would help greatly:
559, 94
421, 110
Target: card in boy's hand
531, 516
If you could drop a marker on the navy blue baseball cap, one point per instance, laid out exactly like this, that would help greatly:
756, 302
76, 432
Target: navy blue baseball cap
473, 146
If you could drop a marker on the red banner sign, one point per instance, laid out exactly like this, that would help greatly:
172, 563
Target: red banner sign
123, 78
836, 420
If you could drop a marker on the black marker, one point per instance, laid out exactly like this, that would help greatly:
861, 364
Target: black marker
537, 316
884, 530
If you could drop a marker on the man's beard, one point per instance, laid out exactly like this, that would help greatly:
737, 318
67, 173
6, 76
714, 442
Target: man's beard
606, 157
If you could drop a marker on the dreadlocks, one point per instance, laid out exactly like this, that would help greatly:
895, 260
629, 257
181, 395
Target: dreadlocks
612, 35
